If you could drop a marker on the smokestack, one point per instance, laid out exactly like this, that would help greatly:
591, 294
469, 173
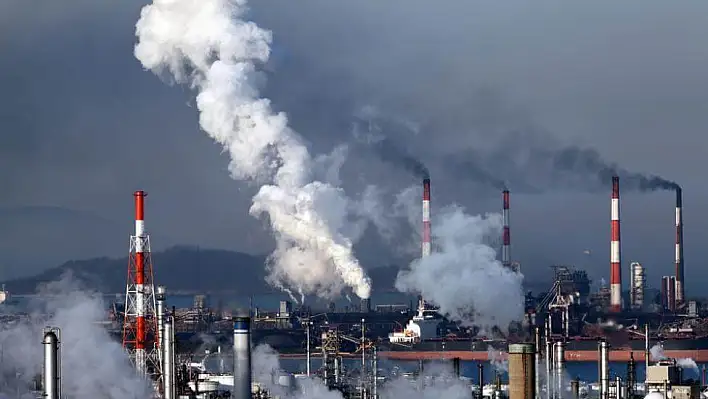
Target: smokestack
425, 249
668, 293
604, 369
506, 245
679, 248
168, 360
52, 363
242, 357
560, 367
615, 250
426, 244
140, 302
522, 371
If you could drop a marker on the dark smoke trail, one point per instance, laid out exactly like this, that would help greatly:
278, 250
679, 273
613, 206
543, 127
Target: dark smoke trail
378, 132
589, 162
389, 152
471, 167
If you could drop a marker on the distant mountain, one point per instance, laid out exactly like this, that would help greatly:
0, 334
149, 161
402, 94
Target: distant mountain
181, 268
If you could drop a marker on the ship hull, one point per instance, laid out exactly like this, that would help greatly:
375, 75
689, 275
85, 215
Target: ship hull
700, 356
580, 350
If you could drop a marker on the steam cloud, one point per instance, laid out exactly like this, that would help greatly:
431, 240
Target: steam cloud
206, 44
266, 371
657, 353
93, 364
462, 275
437, 382
497, 361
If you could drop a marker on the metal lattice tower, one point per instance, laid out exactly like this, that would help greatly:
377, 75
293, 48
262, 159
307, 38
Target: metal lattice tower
140, 322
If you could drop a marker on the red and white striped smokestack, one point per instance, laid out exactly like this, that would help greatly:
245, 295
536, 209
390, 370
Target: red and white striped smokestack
679, 248
425, 246
615, 251
506, 245
141, 326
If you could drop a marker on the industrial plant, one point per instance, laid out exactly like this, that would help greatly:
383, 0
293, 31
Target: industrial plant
568, 323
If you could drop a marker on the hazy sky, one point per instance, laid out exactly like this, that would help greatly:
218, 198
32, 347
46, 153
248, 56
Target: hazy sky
82, 126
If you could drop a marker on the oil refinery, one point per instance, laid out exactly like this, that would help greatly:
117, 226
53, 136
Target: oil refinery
172, 348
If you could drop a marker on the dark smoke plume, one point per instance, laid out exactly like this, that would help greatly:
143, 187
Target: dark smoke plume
589, 162
382, 134
532, 161
471, 166
389, 152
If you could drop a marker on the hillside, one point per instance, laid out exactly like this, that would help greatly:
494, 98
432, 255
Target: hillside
180, 269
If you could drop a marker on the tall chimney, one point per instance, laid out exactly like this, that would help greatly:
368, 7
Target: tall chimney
615, 251
242, 357
506, 245
604, 365
679, 248
426, 244
425, 249
140, 300
52, 364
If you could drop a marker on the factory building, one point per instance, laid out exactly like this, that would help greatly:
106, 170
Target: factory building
666, 378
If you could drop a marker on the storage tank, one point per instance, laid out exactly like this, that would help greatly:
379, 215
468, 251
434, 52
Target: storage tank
522, 371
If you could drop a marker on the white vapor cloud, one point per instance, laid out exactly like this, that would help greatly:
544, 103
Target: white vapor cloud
462, 275
93, 364
207, 45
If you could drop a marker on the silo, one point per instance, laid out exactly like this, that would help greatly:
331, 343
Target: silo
522, 371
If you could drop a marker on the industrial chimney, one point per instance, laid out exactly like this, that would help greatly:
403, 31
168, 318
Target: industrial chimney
604, 369
168, 359
679, 248
242, 357
522, 371
506, 244
615, 250
426, 243
52, 364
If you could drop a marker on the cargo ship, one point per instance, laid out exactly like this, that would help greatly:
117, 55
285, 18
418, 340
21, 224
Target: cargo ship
418, 341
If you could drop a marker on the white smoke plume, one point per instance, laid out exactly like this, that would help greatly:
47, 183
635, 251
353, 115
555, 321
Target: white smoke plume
266, 371
657, 353
436, 381
462, 275
496, 359
687, 363
207, 44
93, 365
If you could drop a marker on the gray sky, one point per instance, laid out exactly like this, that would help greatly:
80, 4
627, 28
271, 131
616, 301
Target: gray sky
82, 126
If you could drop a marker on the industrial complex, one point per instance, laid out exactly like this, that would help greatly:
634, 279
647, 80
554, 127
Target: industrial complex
568, 323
